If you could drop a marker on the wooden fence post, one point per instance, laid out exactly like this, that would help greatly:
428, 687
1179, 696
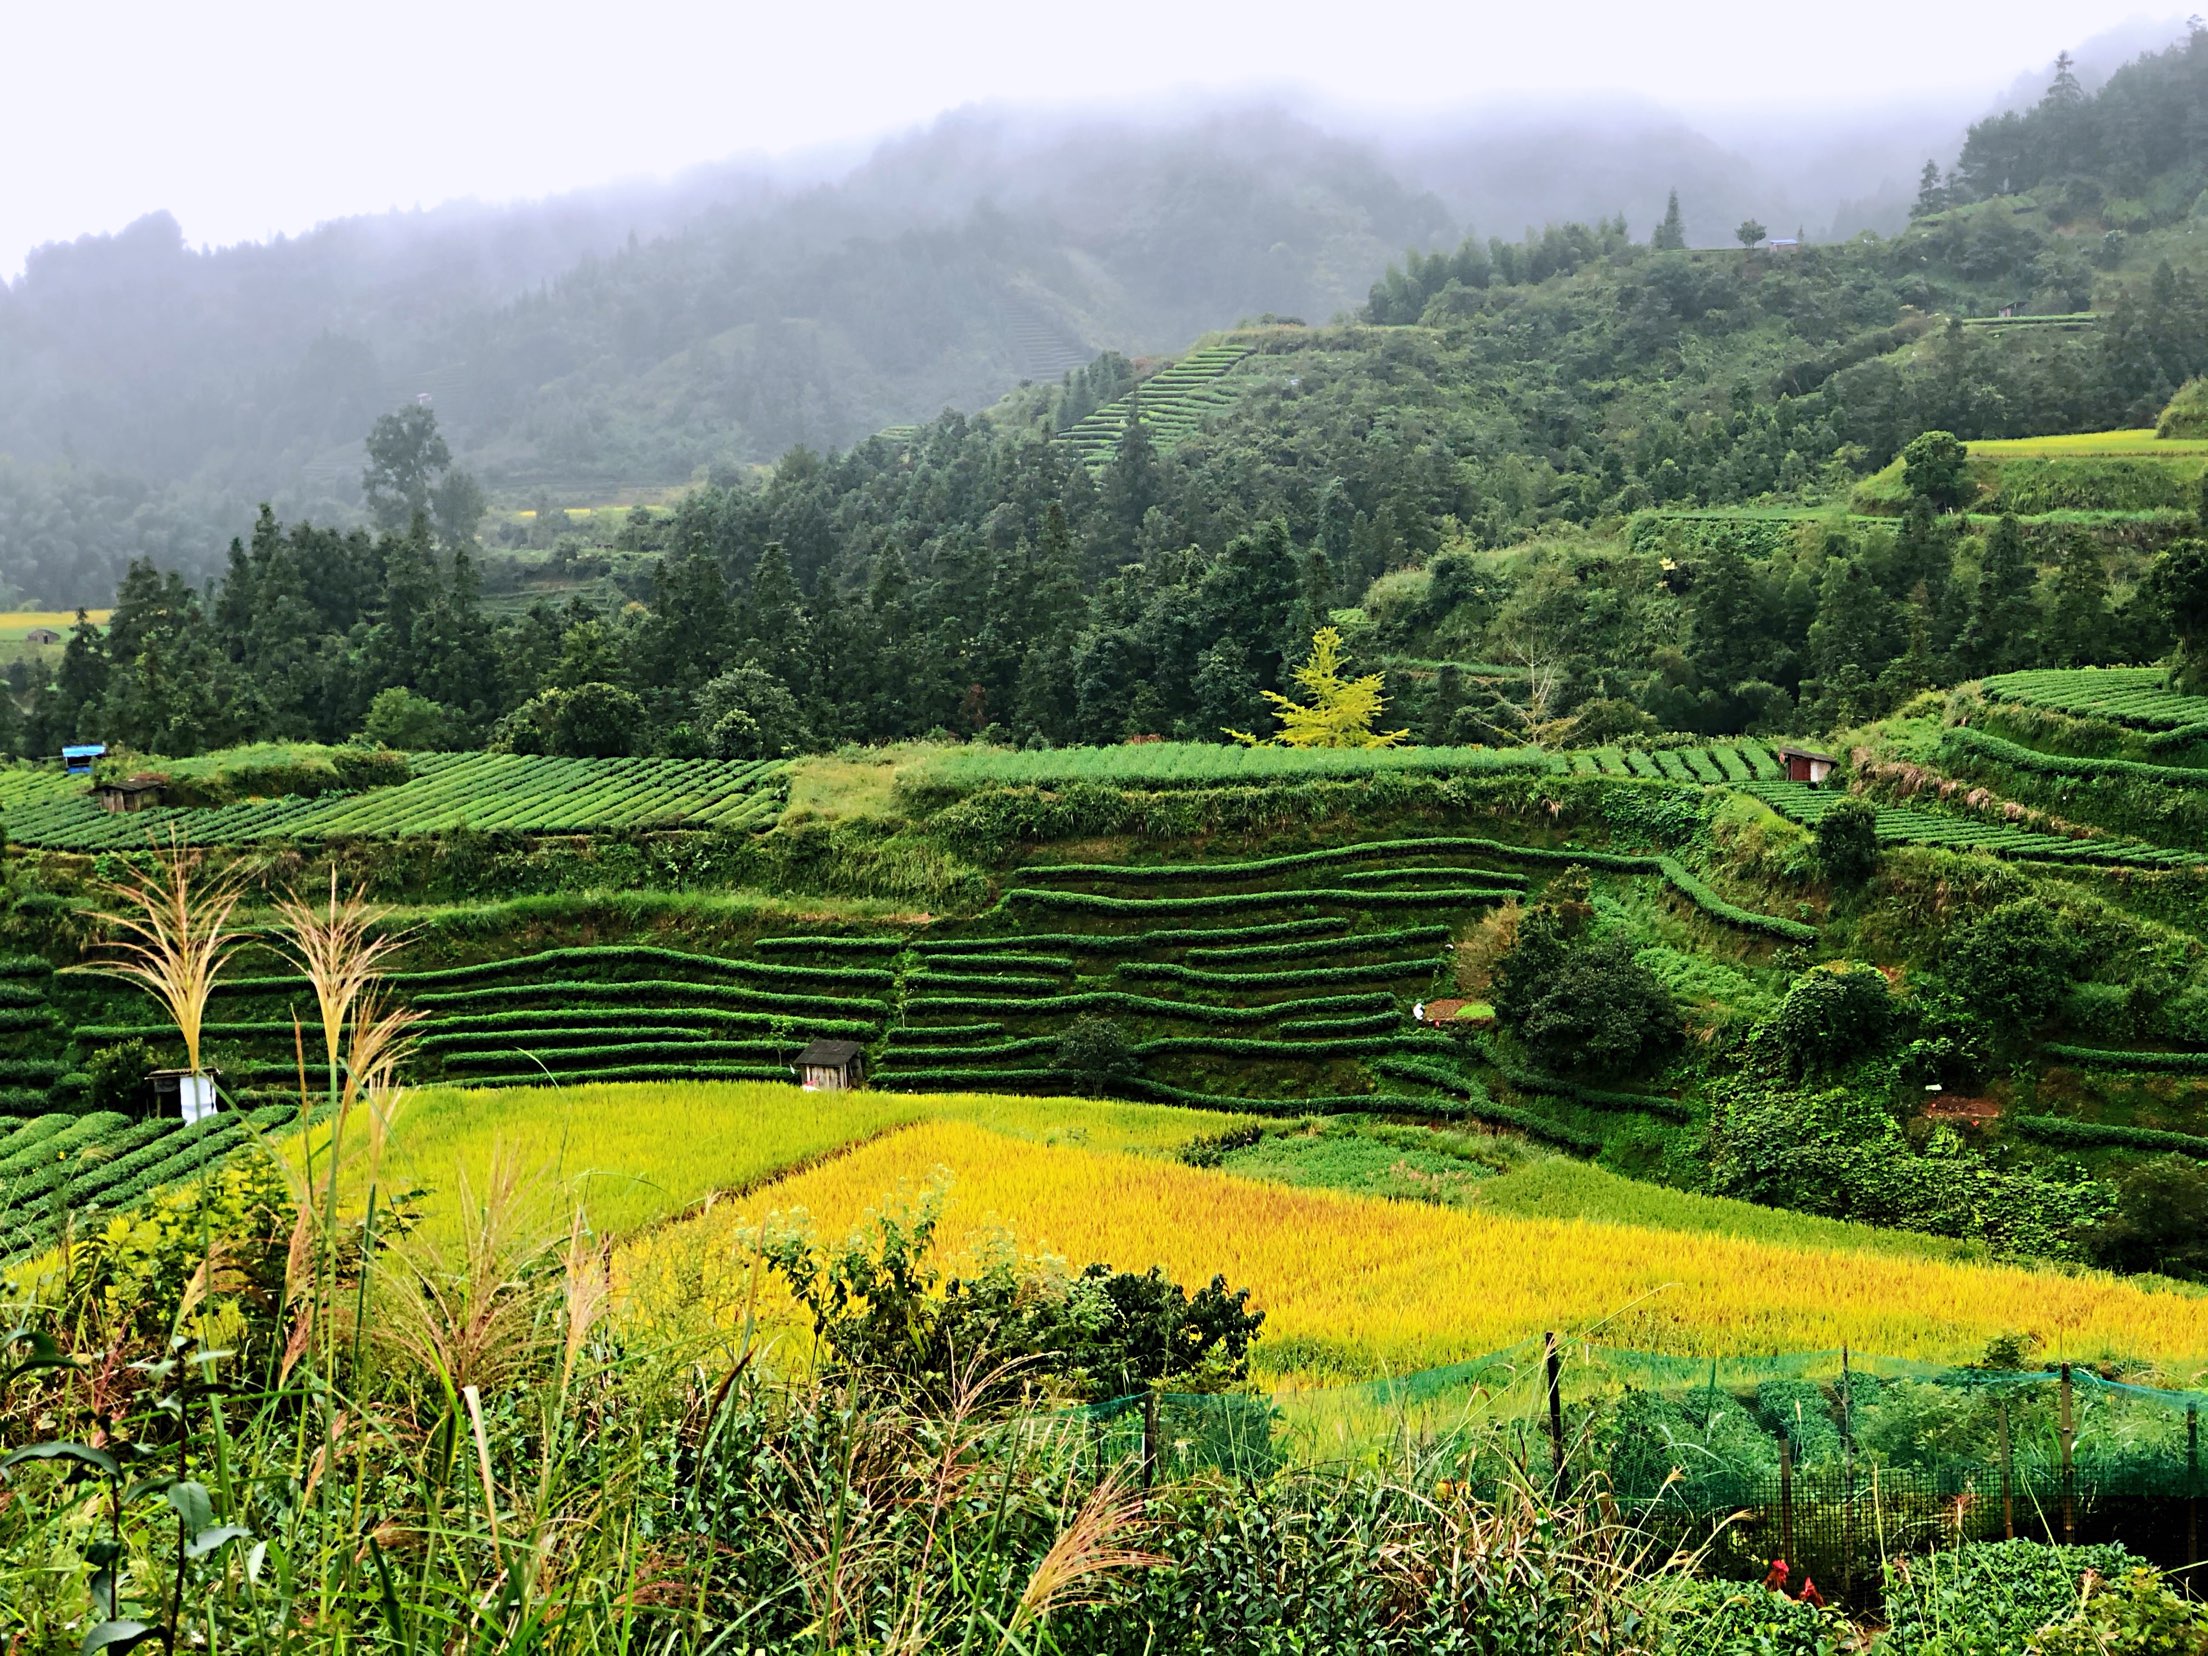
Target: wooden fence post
1149, 1437
1786, 1496
2192, 1484
1847, 1490
2008, 1477
2069, 1469
1556, 1410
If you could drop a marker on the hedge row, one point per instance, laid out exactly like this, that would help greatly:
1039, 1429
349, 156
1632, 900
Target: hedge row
1315, 948
1006, 981
2180, 1063
1594, 1098
1480, 1107
14, 966
639, 988
1384, 971
1095, 903
591, 1035
641, 954
13, 1018
1010, 962
13, 993
696, 1017
30, 1072
24, 1101
890, 944
1119, 1000
74, 1133
943, 1032
1428, 871
1110, 942
1243, 1046
2014, 754
2063, 1130
630, 1072
1319, 1104
1793, 931
590, 1055
1270, 865
993, 1049
1363, 1024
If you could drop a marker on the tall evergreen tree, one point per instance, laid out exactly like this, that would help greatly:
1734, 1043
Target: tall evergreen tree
2078, 622
2003, 618
1671, 234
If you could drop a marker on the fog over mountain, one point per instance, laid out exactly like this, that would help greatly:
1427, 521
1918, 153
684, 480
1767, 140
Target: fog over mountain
645, 333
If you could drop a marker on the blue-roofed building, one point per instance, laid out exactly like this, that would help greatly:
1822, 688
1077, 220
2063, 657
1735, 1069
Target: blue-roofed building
77, 759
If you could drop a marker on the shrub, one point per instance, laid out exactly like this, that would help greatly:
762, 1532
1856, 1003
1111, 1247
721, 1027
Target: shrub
406, 721
1588, 1005
118, 1076
1988, 1596
1832, 1013
1096, 1049
2012, 966
2186, 416
1846, 840
1935, 468
2136, 1614
1733, 1618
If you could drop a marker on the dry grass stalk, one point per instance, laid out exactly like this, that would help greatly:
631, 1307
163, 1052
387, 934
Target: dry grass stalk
173, 938
472, 1321
340, 949
1088, 1553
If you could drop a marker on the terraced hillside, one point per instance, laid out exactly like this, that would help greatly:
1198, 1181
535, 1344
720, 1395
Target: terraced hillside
1172, 402
58, 1169
517, 793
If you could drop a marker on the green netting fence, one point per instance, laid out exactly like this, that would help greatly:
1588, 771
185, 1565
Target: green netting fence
1833, 1460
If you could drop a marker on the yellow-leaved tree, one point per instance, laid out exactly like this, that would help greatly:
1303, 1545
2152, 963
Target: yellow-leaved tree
1341, 711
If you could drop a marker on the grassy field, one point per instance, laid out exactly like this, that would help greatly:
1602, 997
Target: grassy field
2099, 444
628, 1155
1355, 1287
16, 624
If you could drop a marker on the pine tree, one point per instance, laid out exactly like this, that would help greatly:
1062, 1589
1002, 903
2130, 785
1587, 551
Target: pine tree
1932, 195
1131, 484
2003, 617
1671, 234
2077, 608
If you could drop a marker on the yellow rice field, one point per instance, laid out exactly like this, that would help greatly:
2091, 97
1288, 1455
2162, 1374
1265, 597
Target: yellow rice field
2099, 444
1353, 1286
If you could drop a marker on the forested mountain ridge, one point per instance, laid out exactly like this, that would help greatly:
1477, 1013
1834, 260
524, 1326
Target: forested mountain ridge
646, 335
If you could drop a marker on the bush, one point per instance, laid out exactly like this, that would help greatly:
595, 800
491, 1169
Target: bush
1097, 1050
1846, 840
117, 1077
2161, 1219
1989, 1596
1732, 1618
1582, 1002
2012, 967
2136, 1614
2186, 416
1834, 1013
405, 721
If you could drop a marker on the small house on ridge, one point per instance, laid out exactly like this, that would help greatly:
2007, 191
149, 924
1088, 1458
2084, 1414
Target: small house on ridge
1805, 764
831, 1066
131, 793
42, 635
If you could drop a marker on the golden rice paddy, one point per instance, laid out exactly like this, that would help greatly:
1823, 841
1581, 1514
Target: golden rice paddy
1355, 1286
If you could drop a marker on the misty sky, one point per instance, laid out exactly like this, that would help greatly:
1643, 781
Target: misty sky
249, 118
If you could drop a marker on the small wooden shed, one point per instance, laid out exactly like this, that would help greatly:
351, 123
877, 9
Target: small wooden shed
1805, 764
42, 635
131, 793
831, 1066
187, 1094
76, 759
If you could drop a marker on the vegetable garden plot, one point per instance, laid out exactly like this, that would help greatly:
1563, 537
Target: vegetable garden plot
518, 793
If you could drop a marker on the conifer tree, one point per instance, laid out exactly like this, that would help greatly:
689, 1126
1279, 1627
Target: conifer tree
2003, 617
1671, 234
